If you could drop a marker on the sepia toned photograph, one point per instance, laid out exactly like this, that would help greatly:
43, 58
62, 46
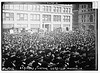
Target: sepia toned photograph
49, 36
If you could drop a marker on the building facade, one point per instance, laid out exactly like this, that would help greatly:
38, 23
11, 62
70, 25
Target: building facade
87, 16
84, 16
31, 16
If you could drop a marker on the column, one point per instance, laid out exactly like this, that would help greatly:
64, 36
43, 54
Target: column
71, 22
28, 23
51, 22
41, 22
15, 19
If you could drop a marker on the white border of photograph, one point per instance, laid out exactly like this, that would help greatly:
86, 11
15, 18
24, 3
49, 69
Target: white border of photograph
96, 5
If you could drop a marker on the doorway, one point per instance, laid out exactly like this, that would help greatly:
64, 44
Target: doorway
47, 27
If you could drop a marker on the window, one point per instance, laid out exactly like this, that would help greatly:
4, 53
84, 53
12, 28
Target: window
11, 6
82, 20
66, 10
88, 16
44, 8
30, 7
33, 7
25, 7
91, 18
54, 9
89, 6
60, 9
57, 18
82, 6
69, 10
82, 10
35, 17
11, 16
7, 16
46, 17
25, 17
6, 6
16, 6
36, 8
21, 7
22, 17
47, 8
66, 18
57, 9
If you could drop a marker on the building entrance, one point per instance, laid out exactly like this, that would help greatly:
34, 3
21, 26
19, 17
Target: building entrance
47, 27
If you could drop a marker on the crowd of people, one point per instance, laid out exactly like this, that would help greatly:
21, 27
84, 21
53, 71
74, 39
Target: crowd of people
49, 51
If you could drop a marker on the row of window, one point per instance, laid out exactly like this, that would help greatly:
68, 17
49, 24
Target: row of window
22, 17
85, 6
66, 19
22, 7
8, 16
47, 8
34, 17
87, 18
57, 9
46, 17
67, 10
86, 10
